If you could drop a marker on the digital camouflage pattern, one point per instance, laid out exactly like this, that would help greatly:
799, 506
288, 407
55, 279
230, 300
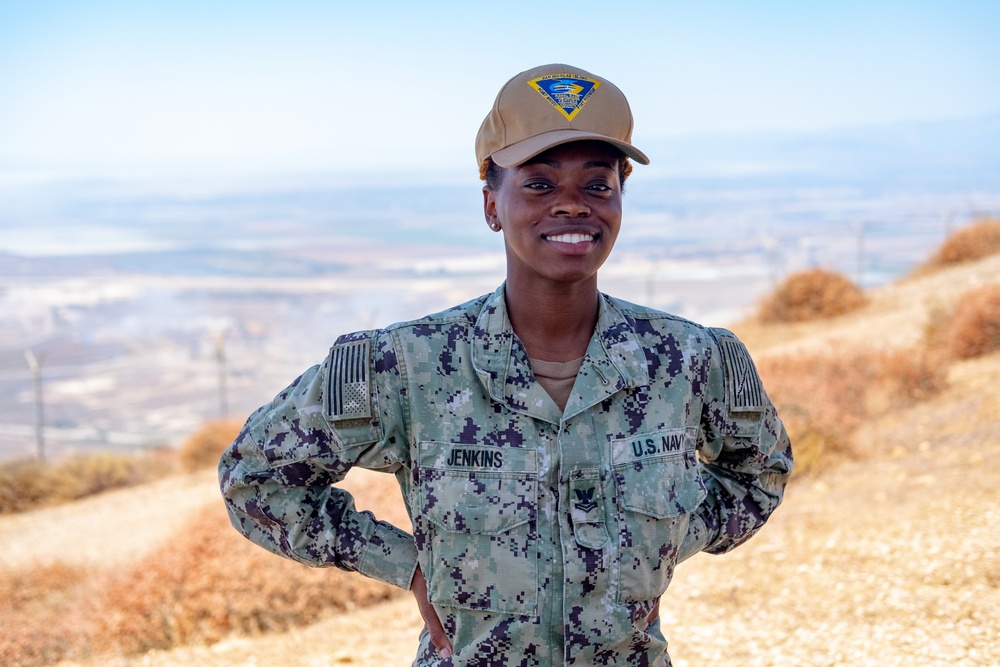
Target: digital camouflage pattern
545, 536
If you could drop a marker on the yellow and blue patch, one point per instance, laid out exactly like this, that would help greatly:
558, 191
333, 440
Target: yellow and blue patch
565, 92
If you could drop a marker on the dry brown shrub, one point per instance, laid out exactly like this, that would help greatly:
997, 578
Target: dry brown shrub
38, 614
203, 448
823, 399
821, 402
974, 327
978, 240
210, 582
27, 484
811, 295
904, 377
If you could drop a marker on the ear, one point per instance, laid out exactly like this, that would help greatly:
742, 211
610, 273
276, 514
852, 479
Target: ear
490, 208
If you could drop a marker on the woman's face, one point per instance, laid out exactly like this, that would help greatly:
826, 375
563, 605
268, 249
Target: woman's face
560, 213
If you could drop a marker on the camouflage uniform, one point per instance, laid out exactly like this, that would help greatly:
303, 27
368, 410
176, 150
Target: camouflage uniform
545, 536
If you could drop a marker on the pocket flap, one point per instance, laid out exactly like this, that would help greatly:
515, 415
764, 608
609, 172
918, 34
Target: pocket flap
477, 489
661, 487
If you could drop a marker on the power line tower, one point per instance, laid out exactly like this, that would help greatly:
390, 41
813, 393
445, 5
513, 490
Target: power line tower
860, 229
35, 364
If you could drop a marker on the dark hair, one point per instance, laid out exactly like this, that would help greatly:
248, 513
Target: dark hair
492, 173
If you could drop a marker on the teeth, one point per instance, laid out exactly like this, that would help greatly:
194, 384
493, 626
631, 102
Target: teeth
571, 238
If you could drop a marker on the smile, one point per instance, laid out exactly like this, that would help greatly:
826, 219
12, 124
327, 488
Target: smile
571, 238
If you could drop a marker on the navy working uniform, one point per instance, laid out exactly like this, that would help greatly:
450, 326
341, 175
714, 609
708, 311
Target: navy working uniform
545, 535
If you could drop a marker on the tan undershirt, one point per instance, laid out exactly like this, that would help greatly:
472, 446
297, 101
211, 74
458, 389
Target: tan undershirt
556, 377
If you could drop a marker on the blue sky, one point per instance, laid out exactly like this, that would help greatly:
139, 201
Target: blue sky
92, 88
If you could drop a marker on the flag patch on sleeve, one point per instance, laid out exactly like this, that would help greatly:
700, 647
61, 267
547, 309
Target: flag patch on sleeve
743, 384
349, 396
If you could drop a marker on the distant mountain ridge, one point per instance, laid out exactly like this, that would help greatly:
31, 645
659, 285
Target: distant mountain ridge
949, 151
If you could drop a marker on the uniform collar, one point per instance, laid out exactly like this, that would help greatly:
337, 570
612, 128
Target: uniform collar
614, 361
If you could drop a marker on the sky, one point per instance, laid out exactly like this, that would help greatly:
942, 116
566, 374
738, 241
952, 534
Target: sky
96, 88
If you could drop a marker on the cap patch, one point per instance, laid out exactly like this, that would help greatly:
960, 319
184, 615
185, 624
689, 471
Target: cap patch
565, 92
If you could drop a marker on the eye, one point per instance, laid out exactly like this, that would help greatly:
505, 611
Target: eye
538, 186
600, 187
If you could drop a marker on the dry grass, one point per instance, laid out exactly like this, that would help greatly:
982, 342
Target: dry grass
978, 240
974, 327
27, 484
890, 562
38, 613
811, 295
203, 448
205, 584
875, 584
211, 582
823, 399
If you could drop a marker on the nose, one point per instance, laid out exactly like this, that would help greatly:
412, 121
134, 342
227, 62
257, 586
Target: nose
570, 204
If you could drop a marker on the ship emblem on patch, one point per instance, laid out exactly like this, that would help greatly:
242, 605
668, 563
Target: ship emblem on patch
565, 92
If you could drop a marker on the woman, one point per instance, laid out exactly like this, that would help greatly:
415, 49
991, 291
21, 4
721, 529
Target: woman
559, 450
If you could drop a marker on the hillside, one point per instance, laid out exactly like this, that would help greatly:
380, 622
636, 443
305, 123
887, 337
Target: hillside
897, 315
890, 560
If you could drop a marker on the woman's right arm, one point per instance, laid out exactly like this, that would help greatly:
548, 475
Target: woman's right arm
278, 476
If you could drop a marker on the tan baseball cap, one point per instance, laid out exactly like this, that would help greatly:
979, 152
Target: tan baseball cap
552, 105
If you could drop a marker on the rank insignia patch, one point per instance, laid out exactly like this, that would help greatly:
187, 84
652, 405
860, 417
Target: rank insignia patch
565, 92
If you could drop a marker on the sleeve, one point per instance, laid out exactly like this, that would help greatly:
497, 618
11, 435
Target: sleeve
745, 453
278, 476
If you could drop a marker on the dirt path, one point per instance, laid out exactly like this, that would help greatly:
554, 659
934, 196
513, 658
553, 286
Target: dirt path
109, 529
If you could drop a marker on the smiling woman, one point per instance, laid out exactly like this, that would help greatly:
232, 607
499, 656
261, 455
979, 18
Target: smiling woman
559, 450
560, 213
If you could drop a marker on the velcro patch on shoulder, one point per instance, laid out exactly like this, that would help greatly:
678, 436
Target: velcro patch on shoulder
348, 391
743, 386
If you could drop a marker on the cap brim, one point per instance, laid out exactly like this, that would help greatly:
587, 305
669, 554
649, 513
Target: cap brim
522, 151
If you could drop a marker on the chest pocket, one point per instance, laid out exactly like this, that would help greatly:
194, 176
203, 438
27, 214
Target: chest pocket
658, 484
478, 527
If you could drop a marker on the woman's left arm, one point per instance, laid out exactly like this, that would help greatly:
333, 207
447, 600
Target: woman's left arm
745, 453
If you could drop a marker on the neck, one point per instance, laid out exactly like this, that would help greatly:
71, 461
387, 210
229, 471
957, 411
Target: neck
554, 322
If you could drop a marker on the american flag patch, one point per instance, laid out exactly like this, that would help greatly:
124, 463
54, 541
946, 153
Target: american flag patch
743, 384
348, 396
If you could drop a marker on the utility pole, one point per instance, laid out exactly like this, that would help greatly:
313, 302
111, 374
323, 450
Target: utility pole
860, 228
220, 359
35, 364
651, 284
770, 244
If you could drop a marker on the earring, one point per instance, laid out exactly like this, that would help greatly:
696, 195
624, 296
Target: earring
495, 226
